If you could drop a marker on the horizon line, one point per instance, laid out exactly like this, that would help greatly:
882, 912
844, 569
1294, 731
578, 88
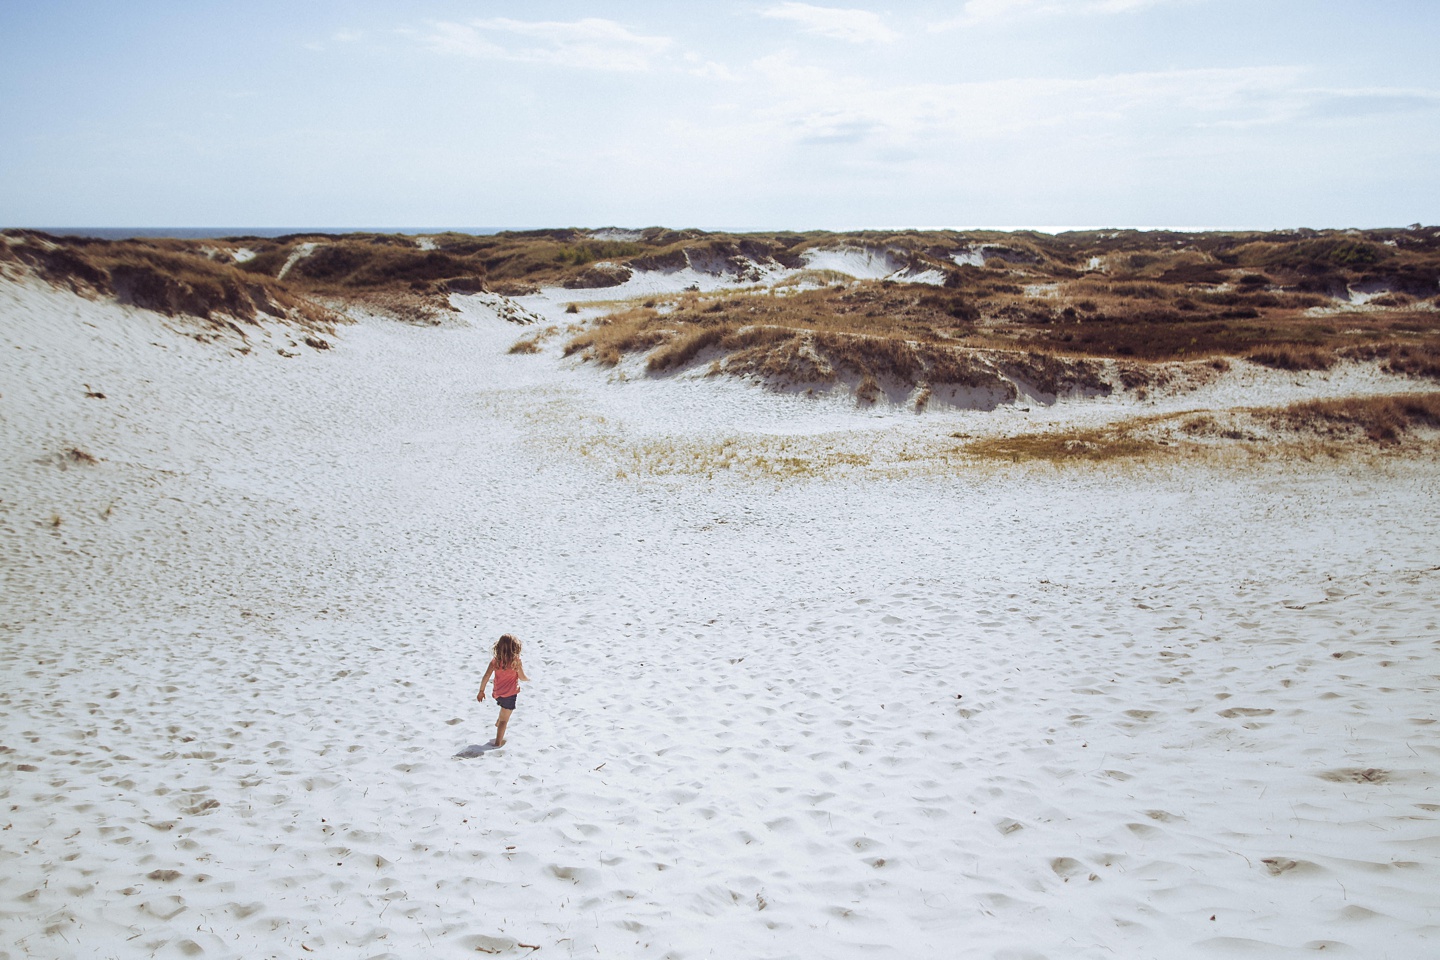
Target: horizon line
215, 232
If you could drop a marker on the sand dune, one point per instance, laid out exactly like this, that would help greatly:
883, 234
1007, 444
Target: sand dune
1009, 715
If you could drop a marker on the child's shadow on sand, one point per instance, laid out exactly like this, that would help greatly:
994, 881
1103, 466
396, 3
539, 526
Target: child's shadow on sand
476, 750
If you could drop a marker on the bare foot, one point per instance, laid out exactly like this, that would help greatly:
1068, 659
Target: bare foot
499, 743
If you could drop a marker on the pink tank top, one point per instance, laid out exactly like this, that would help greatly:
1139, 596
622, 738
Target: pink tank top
507, 682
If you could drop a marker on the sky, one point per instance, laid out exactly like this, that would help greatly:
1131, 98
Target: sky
747, 115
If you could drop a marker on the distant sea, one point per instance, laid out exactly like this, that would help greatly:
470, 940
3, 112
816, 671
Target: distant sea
214, 233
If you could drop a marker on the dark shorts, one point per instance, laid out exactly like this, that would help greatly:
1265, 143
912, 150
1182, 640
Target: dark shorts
506, 703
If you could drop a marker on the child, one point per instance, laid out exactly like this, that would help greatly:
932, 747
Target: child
508, 671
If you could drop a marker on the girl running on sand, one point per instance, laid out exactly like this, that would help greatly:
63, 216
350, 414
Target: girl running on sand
508, 671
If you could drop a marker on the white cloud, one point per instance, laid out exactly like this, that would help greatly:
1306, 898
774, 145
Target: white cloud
591, 43
698, 66
976, 11
854, 26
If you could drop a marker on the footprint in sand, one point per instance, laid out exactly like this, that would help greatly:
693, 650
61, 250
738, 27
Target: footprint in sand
1357, 775
164, 908
480, 943
1277, 866
1233, 712
1162, 816
1067, 867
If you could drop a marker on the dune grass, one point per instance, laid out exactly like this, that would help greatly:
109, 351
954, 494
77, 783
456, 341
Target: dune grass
1119, 442
1382, 419
532, 342
1337, 427
990, 333
1132, 296
167, 276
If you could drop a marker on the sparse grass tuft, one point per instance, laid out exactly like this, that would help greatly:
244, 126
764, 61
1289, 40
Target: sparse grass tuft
1117, 442
530, 343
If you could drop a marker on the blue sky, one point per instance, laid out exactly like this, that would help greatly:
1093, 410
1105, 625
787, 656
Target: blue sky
1207, 113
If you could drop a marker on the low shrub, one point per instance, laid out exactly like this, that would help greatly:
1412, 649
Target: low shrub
1291, 357
1413, 359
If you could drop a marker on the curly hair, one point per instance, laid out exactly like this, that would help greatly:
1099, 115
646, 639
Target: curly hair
507, 651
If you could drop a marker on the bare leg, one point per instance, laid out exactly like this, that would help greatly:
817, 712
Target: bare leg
500, 726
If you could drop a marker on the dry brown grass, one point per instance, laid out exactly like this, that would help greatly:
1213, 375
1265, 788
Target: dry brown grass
531, 342
1383, 419
1406, 357
1224, 438
619, 334
768, 459
1288, 356
880, 333
592, 439
686, 345
1164, 296
1097, 445
872, 335
405, 306
165, 276
1350, 426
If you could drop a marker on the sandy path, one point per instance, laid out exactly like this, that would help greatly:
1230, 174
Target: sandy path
230, 709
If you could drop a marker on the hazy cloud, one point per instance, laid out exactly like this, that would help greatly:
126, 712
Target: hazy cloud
854, 26
824, 129
1367, 102
976, 11
698, 66
591, 43
342, 36
820, 106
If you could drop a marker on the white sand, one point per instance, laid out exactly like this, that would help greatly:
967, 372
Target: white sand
862, 263
992, 714
301, 252
708, 275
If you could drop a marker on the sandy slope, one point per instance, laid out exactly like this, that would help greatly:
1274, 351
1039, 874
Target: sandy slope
1009, 715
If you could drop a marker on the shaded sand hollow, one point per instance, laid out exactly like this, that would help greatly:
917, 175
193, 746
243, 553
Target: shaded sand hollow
868, 713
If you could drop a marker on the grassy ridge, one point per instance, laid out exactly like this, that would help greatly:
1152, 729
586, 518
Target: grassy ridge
911, 334
167, 276
1053, 304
